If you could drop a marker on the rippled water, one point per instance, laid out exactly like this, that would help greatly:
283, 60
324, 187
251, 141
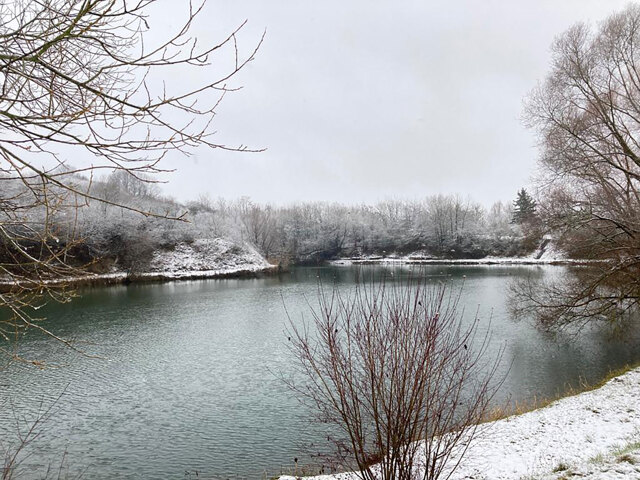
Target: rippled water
186, 377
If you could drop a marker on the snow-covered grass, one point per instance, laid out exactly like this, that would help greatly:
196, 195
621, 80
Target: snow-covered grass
618, 464
205, 258
595, 433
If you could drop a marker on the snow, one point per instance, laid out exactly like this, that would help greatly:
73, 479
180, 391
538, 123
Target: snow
577, 435
548, 251
204, 258
418, 260
547, 254
612, 467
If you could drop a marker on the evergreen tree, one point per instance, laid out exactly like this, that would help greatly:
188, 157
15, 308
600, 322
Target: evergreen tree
524, 208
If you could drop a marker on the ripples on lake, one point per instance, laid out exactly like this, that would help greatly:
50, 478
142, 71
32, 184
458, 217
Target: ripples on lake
186, 377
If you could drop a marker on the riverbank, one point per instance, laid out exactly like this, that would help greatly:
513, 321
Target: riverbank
593, 435
125, 278
546, 254
408, 260
416, 259
200, 259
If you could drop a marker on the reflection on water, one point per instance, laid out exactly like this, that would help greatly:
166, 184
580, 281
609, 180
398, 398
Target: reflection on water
185, 375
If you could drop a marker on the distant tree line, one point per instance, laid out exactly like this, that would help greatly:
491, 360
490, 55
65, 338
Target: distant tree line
439, 226
113, 237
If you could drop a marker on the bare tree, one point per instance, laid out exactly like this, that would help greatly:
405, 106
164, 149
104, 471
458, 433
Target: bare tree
587, 116
15, 451
405, 382
84, 80
259, 224
138, 185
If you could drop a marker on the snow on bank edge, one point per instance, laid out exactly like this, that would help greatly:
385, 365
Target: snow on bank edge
201, 259
547, 254
205, 258
570, 432
410, 260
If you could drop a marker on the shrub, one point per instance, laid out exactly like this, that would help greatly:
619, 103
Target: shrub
391, 364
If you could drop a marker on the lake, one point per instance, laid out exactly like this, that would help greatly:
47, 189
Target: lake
183, 377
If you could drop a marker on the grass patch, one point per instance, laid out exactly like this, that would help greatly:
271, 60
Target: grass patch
561, 467
627, 458
628, 448
598, 459
620, 454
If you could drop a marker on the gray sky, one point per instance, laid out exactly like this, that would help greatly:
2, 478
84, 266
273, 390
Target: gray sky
357, 101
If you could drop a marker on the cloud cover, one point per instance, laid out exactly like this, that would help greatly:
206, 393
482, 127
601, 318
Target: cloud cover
357, 101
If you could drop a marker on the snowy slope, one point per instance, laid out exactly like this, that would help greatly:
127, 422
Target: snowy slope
548, 251
206, 257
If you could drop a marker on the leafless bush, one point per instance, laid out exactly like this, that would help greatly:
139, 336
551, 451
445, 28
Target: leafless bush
399, 374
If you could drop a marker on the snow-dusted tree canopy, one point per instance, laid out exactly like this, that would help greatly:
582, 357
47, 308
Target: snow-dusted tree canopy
439, 226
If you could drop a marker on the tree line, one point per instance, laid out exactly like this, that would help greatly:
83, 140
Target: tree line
440, 226
106, 235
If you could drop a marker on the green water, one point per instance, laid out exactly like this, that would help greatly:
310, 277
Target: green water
183, 377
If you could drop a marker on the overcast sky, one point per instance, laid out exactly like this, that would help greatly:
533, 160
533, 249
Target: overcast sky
358, 101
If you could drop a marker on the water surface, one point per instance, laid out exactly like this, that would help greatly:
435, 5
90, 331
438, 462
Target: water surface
186, 377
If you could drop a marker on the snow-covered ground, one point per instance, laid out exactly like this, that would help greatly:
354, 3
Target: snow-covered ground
547, 253
419, 260
206, 258
411, 260
593, 435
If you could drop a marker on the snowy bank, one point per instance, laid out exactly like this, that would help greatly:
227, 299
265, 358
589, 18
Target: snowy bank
205, 258
546, 254
594, 434
418, 260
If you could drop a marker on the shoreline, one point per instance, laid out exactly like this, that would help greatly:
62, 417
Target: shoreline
253, 271
126, 278
593, 435
453, 261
